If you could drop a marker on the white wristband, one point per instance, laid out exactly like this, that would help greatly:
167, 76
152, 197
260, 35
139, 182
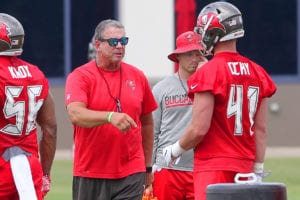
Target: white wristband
177, 150
258, 167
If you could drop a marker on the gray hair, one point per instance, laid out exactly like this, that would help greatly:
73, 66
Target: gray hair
105, 24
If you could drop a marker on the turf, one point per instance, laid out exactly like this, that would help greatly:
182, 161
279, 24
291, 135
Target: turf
283, 170
61, 181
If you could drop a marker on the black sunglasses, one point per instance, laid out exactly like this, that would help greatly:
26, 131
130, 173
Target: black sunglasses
114, 41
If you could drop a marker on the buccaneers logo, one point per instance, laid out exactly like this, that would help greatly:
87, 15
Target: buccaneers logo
210, 21
189, 37
5, 42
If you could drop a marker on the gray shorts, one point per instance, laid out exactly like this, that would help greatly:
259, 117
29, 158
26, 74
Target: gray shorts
128, 188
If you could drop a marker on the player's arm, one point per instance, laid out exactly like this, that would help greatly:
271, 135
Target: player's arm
203, 106
261, 131
47, 121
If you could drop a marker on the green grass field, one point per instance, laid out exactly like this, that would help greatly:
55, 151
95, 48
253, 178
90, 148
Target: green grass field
284, 170
61, 185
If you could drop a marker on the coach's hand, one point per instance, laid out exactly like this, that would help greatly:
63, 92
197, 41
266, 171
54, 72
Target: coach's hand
46, 185
122, 121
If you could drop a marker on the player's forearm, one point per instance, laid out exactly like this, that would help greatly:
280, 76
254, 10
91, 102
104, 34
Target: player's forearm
203, 108
191, 138
48, 148
261, 131
260, 146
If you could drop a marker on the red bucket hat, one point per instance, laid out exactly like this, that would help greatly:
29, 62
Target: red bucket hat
185, 42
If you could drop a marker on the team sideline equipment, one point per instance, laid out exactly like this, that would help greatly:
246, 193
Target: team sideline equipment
232, 191
247, 186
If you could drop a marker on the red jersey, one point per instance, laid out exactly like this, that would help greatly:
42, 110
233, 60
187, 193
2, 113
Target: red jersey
23, 89
238, 85
104, 151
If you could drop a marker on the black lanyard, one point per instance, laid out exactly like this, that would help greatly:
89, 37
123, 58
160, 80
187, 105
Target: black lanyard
117, 99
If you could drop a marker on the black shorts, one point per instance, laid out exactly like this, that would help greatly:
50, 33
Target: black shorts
128, 188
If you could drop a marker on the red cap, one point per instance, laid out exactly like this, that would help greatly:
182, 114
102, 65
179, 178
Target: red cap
185, 42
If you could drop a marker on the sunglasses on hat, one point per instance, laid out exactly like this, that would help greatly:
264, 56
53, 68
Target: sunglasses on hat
114, 41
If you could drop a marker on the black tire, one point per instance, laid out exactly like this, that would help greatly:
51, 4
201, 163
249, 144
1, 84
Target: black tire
232, 191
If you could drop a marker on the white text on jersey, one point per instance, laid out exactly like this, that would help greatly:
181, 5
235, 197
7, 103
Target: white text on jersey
19, 72
239, 68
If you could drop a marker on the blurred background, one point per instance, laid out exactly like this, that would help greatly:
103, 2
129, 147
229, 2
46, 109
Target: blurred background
57, 34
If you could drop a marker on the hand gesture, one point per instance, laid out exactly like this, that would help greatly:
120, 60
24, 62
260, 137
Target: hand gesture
122, 121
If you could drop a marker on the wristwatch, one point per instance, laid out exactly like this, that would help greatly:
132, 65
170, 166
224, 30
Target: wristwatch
148, 169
